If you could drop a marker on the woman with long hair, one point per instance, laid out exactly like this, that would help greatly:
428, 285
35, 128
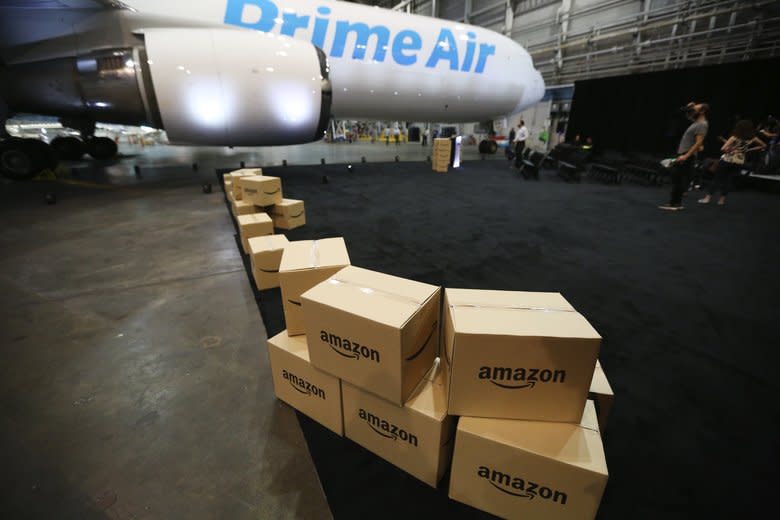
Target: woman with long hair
743, 140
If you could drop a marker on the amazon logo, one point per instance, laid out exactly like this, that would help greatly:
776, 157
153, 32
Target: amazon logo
387, 429
519, 487
520, 378
303, 386
348, 349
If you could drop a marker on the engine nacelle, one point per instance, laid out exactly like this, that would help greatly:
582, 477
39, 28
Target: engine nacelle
238, 88
203, 86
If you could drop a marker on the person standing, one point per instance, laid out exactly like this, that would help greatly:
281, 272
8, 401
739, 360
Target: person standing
520, 138
511, 144
733, 159
397, 134
425, 135
691, 143
387, 136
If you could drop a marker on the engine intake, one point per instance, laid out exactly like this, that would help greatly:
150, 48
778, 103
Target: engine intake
208, 87
233, 87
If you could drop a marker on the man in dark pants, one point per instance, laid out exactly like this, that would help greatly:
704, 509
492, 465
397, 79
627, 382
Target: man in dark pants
691, 143
520, 137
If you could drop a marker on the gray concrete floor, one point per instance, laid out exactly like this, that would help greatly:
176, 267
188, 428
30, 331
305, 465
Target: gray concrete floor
134, 381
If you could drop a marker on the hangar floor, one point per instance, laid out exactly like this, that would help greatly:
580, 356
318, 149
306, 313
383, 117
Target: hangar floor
134, 382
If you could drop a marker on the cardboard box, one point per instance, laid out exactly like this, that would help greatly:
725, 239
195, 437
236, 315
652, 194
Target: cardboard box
237, 174
261, 190
442, 144
602, 396
304, 265
418, 437
299, 384
288, 214
254, 225
376, 331
517, 355
229, 194
266, 255
530, 469
242, 207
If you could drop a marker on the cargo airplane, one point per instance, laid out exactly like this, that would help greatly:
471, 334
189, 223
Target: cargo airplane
243, 72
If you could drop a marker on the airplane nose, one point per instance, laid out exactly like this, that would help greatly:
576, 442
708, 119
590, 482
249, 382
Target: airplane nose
533, 89
536, 88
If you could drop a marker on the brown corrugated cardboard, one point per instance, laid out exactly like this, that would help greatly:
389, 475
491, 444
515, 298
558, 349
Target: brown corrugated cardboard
517, 355
229, 194
299, 384
418, 437
237, 174
602, 396
288, 214
254, 225
529, 469
266, 254
379, 332
261, 190
304, 265
242, 207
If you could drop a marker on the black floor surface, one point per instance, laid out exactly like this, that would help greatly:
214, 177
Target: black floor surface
687, 304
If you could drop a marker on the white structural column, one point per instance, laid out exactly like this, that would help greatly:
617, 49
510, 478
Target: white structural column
563, 19
509, 20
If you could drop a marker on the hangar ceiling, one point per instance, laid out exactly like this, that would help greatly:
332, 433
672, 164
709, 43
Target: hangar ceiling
571, 40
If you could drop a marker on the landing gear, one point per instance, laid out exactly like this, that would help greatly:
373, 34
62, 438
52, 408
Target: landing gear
22, 159
101, 147
97, 147
68, 148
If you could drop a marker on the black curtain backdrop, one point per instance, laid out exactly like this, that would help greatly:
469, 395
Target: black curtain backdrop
640, 113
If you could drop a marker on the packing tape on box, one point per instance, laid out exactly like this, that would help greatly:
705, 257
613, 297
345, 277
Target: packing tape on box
500, 307
371, 290
506, 307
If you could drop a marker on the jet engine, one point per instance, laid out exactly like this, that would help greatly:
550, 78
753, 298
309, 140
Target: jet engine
203, 86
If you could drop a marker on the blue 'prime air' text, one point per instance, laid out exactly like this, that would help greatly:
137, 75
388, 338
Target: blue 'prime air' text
263, 15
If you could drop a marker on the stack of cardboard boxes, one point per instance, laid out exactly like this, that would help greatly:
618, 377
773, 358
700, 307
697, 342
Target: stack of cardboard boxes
516, 367
528, 443
442, 151
503, 387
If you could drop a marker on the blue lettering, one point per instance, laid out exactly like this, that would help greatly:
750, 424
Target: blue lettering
362, 33
320, 28
240, 10
262, 15
406, 41
293, 22
469, 58
485, 51
445, 49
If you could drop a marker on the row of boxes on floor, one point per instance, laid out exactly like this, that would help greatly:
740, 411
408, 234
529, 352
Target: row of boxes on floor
259, 206
361, 355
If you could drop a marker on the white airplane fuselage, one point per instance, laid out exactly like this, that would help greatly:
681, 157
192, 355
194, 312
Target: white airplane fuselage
257, 72
387, 64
